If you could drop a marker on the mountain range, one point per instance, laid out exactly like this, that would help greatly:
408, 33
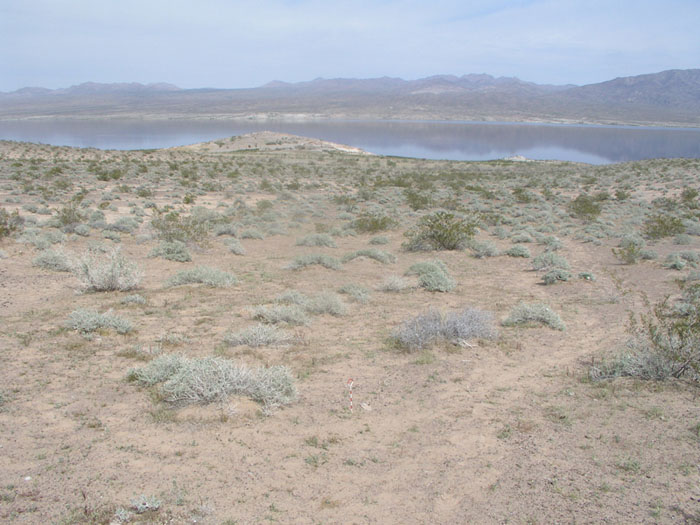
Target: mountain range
667, 98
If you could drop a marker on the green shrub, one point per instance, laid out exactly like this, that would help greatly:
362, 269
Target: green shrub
106, 272
441, 231
204, 275
663, 343
629, 250
87, 321
172, 251
539, 313
417, 201
173, 226
660, 226
585, 207
368, 222
10, 223
303, 261
205, 380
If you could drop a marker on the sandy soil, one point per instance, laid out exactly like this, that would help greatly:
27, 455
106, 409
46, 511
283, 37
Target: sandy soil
508, 430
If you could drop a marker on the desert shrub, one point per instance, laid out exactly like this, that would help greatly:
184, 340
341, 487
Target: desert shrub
521, 238
82, 229
433, 276
371, 253
663, 343
630, 249
225, 229
86, 321
317, 239
258, 335
112, 236
369, 222
585, 207
431, 327
292, 314
539, 313
10, 223
70, 216
326, 303
417, 201
292, 297
357, 292
483, 249
204, 275
518, 251
134, 299
682, 239
556, 275
143, 504
252, 233
379, 240
394, 283
56, 260
124, 225
235, 247
441, 231
172, 251
303, 261
659, 226
209, 379
110, 271
173, 226
549, 261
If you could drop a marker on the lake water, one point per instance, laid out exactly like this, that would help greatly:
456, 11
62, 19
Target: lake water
432, 140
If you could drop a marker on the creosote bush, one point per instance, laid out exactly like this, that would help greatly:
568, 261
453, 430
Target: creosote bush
585, 207
528, 313
431, 327
441, 231
660, 226
368, 222
204, 275
205, 380
173, 226
110, 271
664, 343
10, 223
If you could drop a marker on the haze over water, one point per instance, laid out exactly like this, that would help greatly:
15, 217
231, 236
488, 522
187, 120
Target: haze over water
432, 140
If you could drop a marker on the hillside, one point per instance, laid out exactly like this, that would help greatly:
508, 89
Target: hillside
665, 98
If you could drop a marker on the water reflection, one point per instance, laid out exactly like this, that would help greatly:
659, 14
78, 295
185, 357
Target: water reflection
435, 140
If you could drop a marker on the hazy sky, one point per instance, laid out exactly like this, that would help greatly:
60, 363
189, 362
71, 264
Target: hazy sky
232, 43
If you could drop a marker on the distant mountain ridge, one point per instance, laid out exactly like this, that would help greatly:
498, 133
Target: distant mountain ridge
667, 98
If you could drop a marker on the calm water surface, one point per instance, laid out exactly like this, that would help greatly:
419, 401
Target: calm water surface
432, 140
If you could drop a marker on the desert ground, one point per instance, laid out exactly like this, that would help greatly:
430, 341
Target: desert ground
286, 256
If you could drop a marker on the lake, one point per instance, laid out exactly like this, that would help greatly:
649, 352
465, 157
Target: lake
432, 140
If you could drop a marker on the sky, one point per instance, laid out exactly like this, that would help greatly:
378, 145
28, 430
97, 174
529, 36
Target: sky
247, 43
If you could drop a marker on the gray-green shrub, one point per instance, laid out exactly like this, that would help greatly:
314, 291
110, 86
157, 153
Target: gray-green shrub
528, 313
172, 251
56, 260
204, 275
209, 379
111, 271
85, 321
